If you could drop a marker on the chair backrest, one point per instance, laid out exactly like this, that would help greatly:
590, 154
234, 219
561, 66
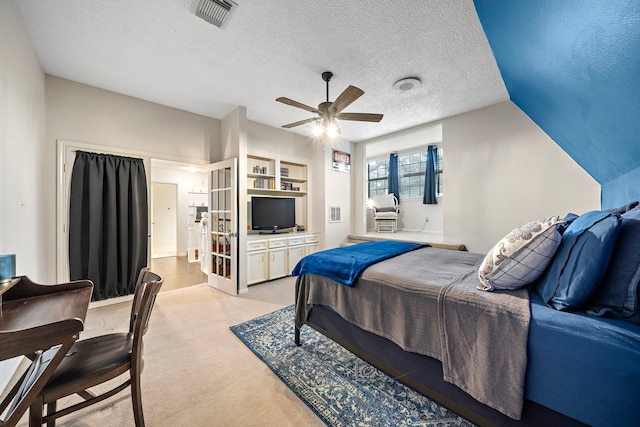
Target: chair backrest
137, 295
386, 201
143, 301
147, 287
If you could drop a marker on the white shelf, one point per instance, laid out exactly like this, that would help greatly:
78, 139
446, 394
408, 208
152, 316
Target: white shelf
286, 178
260, 175
273, 192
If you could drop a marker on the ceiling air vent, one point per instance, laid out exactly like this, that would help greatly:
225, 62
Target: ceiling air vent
217, 12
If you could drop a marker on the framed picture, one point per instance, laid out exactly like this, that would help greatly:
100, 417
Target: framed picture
341, 161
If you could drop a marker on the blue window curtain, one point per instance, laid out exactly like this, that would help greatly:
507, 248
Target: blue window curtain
429, 196
394, 183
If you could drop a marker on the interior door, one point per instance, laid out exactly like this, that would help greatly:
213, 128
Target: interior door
223, 226
164, 222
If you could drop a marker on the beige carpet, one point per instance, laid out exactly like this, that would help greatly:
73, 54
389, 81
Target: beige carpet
197, 372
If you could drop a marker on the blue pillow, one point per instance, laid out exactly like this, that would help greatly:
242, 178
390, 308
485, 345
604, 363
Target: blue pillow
617, 294
566, 222
624, 208
581, 260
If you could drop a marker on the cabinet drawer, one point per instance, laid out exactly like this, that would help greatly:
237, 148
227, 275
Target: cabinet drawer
256, 245
295, 241
309, 249
311, 239
277, 243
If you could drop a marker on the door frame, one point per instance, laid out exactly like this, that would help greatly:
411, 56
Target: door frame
65, 157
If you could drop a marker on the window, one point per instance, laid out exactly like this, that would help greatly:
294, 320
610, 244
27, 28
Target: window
378, 171
411, 167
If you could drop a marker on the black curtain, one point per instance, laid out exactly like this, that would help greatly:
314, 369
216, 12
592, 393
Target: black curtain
108, 222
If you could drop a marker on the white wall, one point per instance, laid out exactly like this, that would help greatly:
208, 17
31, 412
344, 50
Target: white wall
337, 193
500, 171
413, 214
359, 189
22, 123
263, 140
24, 217
77, 112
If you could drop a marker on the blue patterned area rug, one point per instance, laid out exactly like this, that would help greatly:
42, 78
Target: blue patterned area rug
341, 388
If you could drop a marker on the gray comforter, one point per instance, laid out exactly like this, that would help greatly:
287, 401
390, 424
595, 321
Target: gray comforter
427, 301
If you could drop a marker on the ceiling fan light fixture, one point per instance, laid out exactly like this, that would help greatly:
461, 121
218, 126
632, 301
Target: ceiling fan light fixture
329, 129
328, 113
407, 84
332, 130
318, 129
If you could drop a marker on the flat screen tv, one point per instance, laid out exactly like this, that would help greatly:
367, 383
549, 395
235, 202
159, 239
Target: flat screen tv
273, 214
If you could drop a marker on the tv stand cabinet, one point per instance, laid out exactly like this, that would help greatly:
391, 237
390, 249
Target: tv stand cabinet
272, 256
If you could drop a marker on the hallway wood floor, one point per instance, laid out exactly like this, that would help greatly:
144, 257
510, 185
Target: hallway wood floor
177, 272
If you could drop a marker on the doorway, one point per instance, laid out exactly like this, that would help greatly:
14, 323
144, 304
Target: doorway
178, 190
66, 159
164, 220
190, 180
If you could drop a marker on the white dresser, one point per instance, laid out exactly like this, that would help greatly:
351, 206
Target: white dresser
273, 256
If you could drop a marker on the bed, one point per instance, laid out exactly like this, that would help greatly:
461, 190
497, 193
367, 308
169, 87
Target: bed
504, 357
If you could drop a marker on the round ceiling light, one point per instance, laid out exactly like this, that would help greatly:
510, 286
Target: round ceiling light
406, 84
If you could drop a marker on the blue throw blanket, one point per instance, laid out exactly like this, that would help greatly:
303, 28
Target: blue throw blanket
347, 263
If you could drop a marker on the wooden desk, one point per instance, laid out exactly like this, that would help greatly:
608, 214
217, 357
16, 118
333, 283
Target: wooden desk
40, 322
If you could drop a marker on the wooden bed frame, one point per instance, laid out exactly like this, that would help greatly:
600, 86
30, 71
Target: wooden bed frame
423, 374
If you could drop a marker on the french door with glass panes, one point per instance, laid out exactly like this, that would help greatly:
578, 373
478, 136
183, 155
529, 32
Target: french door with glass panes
222, 248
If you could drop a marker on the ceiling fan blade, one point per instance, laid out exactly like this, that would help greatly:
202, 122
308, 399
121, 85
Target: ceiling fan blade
360, 117
301, 122
343, 100
297, 104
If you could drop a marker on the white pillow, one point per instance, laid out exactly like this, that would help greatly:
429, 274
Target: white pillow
521, 256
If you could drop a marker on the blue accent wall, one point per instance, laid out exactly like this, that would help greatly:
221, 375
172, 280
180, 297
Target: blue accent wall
621, 190
573, 66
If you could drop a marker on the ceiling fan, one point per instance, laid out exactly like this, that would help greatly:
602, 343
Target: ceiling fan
328, 112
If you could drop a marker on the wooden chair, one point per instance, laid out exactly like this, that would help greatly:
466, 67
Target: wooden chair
96, 360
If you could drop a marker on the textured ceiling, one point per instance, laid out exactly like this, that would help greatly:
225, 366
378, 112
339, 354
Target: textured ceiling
574, 69
159, 51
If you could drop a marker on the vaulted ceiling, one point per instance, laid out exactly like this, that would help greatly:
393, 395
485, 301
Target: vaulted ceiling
159, 50
570, 66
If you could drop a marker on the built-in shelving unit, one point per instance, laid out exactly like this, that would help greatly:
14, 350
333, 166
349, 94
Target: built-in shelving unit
273, 256
275, 177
